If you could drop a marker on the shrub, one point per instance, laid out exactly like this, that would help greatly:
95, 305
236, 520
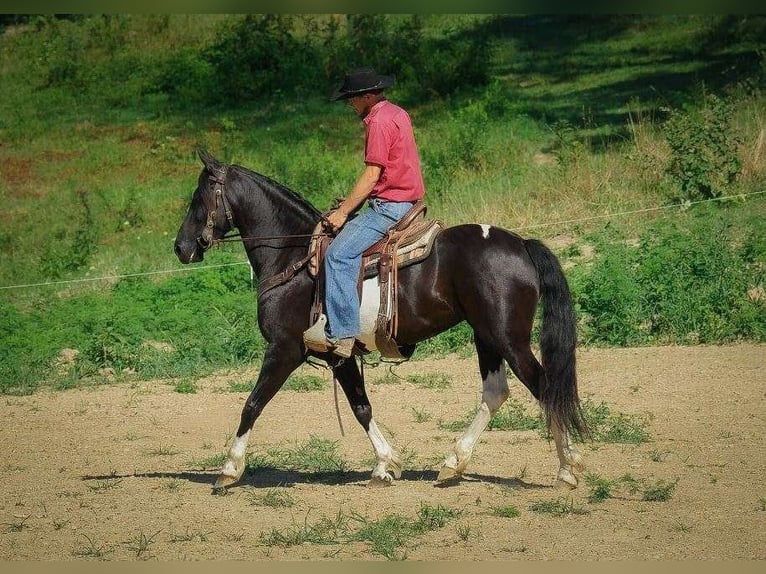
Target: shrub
704, 160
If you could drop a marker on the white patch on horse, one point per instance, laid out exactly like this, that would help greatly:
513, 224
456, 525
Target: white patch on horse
388, 465
485, 230
236, 459
368, 312
569, 459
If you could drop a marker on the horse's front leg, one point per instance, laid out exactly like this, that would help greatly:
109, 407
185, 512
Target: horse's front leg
388, 465
278, 363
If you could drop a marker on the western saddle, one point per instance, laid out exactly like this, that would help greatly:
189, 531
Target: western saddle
406, 243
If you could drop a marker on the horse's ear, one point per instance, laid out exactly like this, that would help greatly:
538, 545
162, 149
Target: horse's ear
210, 162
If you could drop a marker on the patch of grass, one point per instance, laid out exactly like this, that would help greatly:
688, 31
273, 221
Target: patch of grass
104, 485
239, 387
273, 497
316, 455
505, 511
421, 415
163, 450
661, 491
186, 387
323, 531
305, 383
17, 525
140, 544
90, 549
609, 427
387, 535
513, 416
558, 507
681, 527
389, 378
214, 461
436, 381
190, 536
601, 488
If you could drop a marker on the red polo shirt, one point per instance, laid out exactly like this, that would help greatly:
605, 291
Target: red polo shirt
390, 144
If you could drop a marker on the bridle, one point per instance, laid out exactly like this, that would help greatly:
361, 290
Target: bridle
218, 177
206, 239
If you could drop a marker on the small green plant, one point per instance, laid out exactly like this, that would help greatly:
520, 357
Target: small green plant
185, 387
323, 531
189, 536
386, 535
239, 387
762, 504
273, 498
421, 415
437, 381
211, 462
18, 525
601, 488
140, 544
463, 531
661, 491
390, 378
90, 549
606, 426
173, 485
316, 456
506, 511
558, 507
104, 485
513, 416
305, 383
681, 527
163, 450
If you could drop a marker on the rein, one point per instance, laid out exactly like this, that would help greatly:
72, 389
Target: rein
206, 240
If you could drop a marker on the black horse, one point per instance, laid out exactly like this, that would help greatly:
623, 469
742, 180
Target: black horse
487, 276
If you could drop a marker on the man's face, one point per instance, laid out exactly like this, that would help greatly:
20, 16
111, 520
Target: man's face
361, 104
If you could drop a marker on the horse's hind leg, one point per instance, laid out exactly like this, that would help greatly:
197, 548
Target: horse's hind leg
529, 371
494, 394
388, 464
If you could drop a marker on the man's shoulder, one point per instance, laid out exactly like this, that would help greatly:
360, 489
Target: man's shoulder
390, 112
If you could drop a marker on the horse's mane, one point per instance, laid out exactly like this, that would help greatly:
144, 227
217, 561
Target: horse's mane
299, 203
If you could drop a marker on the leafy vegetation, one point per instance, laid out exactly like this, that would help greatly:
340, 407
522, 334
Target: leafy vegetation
543, 124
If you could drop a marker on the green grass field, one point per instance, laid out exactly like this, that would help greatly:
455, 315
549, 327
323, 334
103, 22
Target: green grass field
583, 131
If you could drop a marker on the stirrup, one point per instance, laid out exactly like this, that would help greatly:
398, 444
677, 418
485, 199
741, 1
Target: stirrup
315, 338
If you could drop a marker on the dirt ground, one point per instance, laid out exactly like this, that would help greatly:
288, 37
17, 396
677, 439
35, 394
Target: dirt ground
117, 472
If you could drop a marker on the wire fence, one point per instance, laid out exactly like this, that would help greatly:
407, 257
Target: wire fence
532, 226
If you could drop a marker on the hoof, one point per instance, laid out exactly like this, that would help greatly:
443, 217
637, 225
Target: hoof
565, 480
448, 473
224, 481
381, 481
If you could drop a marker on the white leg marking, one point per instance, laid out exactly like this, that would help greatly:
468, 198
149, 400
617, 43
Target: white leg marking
235, 462
457, 460
485, 230
386, 456
569, 459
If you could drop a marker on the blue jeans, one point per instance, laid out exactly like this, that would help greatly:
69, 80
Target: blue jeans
343, 262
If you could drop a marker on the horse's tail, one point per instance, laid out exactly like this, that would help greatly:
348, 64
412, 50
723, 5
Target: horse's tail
558, 337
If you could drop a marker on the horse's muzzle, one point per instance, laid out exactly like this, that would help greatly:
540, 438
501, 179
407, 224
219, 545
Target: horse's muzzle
188, 251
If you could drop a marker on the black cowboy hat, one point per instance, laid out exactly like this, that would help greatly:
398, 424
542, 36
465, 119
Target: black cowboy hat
361, 81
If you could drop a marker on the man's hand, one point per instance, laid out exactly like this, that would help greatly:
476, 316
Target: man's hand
337, 219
